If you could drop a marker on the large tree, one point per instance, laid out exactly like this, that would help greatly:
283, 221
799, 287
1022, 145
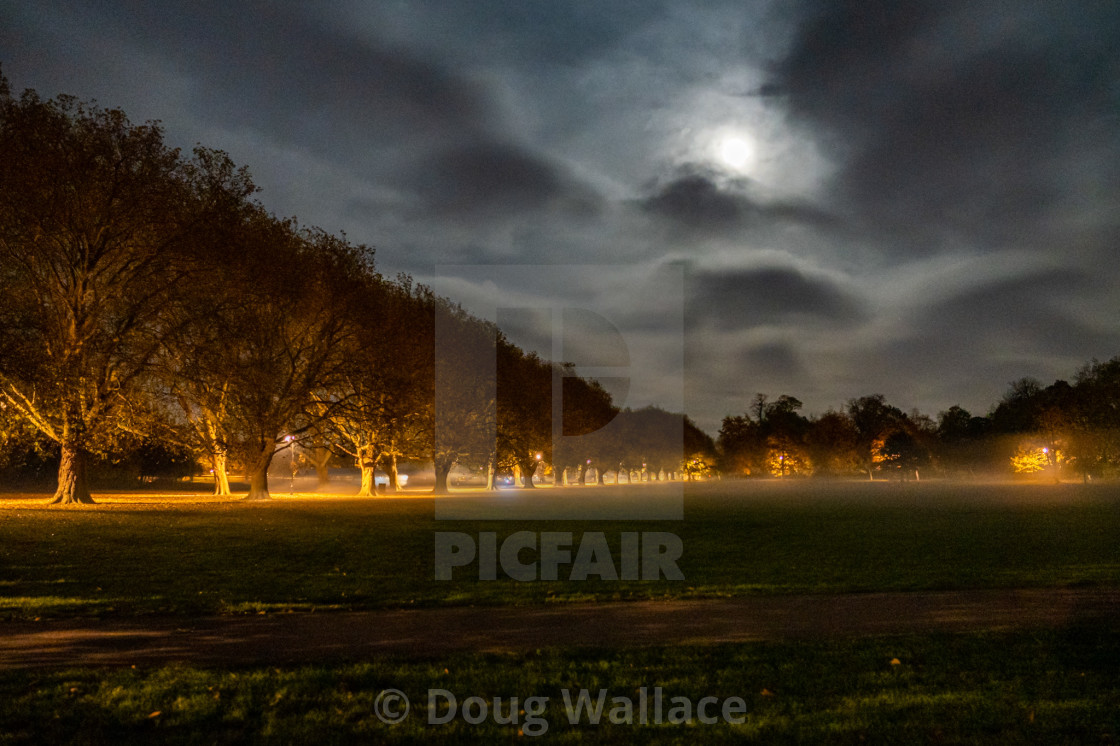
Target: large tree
874, 420
524, 409
832, 444
587, 416
380, 410
294, 292
463, 391
99, 220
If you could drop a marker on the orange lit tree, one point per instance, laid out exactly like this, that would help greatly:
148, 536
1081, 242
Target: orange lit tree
97, 221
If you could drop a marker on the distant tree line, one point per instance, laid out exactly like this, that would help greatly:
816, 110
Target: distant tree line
1061, 430
154, 316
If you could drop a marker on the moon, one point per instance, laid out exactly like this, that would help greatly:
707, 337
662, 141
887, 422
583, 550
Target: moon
736, 152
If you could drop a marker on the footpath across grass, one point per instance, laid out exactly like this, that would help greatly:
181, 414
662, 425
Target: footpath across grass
1050, 687
140, 554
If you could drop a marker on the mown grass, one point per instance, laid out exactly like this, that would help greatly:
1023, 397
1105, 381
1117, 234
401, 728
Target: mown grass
142, 554
1051, 687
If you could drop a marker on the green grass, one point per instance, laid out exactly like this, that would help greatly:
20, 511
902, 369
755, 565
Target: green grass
1052, 687
170, 554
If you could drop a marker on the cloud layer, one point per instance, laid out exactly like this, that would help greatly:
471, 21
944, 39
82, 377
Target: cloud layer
929, 209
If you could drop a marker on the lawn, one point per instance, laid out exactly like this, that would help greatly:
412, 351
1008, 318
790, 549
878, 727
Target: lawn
139, 554
1050, 687
178, 554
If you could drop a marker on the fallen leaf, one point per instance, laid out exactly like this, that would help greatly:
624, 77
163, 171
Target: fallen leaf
896, 662
155, 714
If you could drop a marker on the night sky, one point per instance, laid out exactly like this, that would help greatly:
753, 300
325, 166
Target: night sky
920, 199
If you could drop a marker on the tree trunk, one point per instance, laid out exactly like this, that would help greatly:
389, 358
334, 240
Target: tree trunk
258, 474
602, 476
582, 475
73, 482
394, 475
219, 461
367, 461
491, 472
321, 457
528, 469
443, 468
369, 481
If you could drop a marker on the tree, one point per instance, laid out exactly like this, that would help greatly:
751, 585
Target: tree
770, 443
378, 410
874, 420
524, 410
901, 451
97, 223
961, 439
1017, 411
1041, 419
700, 455
295, 289
1095, 419
587, 412
654, 440
463, 391
832, 443
784, 430
742, 450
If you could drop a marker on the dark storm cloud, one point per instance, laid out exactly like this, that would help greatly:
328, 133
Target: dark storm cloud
538, 33
772, 362
699, 201
1035, 315
279, 69
492, 177
960, 119
742, 298
980, 338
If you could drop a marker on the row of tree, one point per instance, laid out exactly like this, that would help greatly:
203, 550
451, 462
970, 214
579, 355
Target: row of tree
150, 302
152, 311
1062, 429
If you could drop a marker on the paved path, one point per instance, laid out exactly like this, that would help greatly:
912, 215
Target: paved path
351, 636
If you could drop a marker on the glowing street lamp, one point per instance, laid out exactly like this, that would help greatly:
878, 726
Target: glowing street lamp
290, 441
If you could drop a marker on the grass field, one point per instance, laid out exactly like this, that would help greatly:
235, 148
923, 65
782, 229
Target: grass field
138, 554
1046, 688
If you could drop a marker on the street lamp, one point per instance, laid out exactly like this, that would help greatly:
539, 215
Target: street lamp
290, 440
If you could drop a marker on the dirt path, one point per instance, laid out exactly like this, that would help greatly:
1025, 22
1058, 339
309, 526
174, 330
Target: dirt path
350, 636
